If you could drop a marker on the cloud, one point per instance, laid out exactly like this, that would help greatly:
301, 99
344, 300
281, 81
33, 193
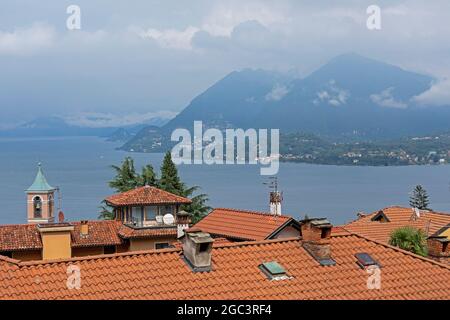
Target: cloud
25, 41
171, 38
277, 93
332, 95
386, 99
107, 120
437, 95
223, 18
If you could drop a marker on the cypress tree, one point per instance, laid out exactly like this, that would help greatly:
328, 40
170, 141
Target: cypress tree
170, 181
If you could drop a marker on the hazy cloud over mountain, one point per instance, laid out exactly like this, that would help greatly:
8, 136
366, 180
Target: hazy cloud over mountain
154, 56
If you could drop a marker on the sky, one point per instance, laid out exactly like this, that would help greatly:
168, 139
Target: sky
134, 60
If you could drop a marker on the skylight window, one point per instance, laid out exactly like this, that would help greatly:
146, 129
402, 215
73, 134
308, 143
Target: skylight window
273, 271
364, 260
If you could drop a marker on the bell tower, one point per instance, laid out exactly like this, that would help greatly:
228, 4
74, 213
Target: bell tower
40, 199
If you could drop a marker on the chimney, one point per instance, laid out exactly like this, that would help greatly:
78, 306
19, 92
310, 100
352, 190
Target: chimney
275, 203
415, 214
197, 249
438, 248
316, 236
56, 240
183, 221
84, 228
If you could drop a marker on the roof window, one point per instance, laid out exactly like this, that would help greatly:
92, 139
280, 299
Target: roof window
273, 271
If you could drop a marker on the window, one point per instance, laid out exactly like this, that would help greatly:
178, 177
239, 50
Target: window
109, 249
50, 206
168, 209
150, 213
164, 245
136, 214
37, 205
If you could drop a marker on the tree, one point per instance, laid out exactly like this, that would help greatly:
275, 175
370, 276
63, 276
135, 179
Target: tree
419, 198
126, 178
198, 208
105, 212
170, 181
148, 177
410, 239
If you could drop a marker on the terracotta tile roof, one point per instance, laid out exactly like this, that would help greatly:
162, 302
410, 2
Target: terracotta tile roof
127, 232
163, 274
27, 237
145, 196
241, 224
429, 222
101, 233
19, 237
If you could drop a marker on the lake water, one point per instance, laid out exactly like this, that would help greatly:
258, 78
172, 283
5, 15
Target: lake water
80, 166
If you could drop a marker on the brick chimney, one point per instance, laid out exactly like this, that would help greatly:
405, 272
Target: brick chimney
197, 249
316, 236
438, 248
183, 221
84, 228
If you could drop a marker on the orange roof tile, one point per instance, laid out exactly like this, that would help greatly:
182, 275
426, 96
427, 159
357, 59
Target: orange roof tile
127, 232
19, 237
27, 236
241, 224
163, 274
429, 222
101, 233
145, 196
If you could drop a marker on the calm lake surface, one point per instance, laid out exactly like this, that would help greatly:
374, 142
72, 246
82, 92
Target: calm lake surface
80, 166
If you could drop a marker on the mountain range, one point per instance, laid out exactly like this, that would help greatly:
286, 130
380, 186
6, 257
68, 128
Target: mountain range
350, 97
59, 127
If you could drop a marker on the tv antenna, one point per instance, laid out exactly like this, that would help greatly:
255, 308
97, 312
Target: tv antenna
276, 197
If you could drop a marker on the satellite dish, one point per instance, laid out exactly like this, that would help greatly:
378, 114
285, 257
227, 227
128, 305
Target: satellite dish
168, 219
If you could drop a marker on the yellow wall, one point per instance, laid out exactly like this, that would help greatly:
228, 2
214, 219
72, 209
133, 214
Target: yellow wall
89, 251
147, 244
446, 233
56, 245
288, 232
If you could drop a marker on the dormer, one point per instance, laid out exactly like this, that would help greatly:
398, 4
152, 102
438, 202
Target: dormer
380, 217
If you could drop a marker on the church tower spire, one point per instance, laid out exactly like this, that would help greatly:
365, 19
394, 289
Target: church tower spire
40, 199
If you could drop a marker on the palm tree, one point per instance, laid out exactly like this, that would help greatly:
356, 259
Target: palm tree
198, 208
126, 177
409, 239
105, 212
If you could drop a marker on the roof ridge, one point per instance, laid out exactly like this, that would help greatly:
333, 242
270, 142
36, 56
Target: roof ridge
264, 213
395, 248
98, 257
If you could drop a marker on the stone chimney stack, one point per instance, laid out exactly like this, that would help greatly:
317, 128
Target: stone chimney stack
183, 221
316, 236
197, 250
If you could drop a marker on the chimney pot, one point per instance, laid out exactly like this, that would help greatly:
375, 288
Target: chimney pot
84, 228
183, 221
197, 250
